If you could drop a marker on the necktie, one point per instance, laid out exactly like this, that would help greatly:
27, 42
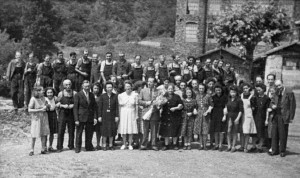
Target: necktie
151, 94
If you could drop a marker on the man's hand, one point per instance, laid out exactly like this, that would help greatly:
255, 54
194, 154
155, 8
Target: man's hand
224, 119
77, 123
266, 123
84, 74
189, 114
173, 109
124, 76
236, 121
100, 119
117, 119
71, 106
95, 121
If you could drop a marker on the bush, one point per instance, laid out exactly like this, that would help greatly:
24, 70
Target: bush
7, 49
4, 88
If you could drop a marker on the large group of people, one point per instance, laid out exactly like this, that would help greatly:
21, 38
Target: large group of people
176, 103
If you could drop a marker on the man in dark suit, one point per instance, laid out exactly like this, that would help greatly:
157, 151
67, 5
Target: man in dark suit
284, 114
146, 97
85, 115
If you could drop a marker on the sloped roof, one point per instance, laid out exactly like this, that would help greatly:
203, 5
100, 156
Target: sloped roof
231, 51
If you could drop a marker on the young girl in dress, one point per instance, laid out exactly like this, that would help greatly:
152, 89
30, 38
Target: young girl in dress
39, 119
190, 111
51, 101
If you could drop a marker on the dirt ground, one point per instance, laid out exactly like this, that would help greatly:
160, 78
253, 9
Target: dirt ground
15, 162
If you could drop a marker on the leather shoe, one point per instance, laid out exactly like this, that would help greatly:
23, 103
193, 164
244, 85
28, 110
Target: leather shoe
59, 151
111, 148
98, 148
273, 154
143, 147
155, 148
77, 151
282, 154
164, 148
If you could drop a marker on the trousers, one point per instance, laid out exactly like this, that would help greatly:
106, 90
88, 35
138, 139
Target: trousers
89, 130
279, 134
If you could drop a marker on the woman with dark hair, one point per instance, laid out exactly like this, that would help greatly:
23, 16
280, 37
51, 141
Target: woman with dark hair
210, 83
128, 102
217, 127
51, 101
205, 107
39, 119
248, 123
233, 113
260, 115
171, 117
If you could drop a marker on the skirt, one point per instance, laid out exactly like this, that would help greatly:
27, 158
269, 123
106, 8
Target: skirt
187, 126
128, 123
201, 126
39, 124
53, 123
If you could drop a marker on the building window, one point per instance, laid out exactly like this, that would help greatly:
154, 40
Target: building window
192, 7
291, 65
191, 31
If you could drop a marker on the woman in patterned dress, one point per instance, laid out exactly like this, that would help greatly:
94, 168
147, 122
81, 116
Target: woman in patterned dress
189, 112
205, 106
39, 119
52, 115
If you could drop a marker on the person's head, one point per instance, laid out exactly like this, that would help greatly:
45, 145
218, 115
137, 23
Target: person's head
233, 91
96, 89
128, 86
278, 85
210, 82
220, 64
151, 61
218, 89
38, 91
191, 59
231, 68
207, 62
121, 56
47, 59
215, 63
271, 79
259, 80
86, 85
176, 58
73, 56
31, 57
95, 57
67, 84
166, 82
227, 66
151, 82
113, 79
178, 79
138, 86
85, 53
182, 85
198, 61
171, 88
260, 88
138, 59
189, 93
18, 55
272, 90
109, 87
162, 59
246, 88
108, 56
49, 92
202, 88
195, 84
60, 55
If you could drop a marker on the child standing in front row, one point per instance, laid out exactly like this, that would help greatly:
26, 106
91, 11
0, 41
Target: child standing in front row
39, 119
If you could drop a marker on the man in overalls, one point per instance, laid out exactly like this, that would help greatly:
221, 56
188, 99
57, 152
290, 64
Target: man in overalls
174, 68
71, 72
60, 71
137, 69
66, 117
14, 74
122, 69
95, 74
45, 73
149, 70
83, 68
162, 70
106, 68
29, 78
207, 69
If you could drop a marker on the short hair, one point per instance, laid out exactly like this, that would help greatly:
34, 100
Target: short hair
138, 84
188, 89
172, 85
228, 64
108, 53
59, 52
274, 76
128, 82
262, 86
96, 85
72, 54
35, 90
258, 76
137, 56
205, 87
49, 88
189, 57
210, 80
177, 76
151, 58
218, 85
85, 81
247, 84
108, 83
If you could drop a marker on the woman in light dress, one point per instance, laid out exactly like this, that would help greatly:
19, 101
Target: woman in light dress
128, 102
39, 119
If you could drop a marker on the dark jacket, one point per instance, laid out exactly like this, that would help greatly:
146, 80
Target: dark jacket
11, 68
84, 111
288, 105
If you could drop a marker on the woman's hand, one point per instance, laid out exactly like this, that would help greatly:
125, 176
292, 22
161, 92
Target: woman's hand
205, 113
195, 112
225, 111
116, 119
266, 122
189, 114
236, 121
224, 118
173, 109
44, 108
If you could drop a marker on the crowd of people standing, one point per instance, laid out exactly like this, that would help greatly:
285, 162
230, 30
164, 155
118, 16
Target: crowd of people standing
144, 103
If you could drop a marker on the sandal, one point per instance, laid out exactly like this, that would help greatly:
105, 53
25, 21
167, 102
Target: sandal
31, 153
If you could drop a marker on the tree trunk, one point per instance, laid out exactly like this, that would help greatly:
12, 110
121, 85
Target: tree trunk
249, 58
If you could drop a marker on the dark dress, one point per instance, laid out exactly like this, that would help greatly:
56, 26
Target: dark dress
216, 124
188, 121
171, 121
233, 108
108, 110
262, 104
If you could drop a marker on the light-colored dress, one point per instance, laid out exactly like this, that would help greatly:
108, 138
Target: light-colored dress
128, 113
39, 120
248, 119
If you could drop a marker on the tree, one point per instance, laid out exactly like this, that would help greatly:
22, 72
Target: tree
41, 26
250, 24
